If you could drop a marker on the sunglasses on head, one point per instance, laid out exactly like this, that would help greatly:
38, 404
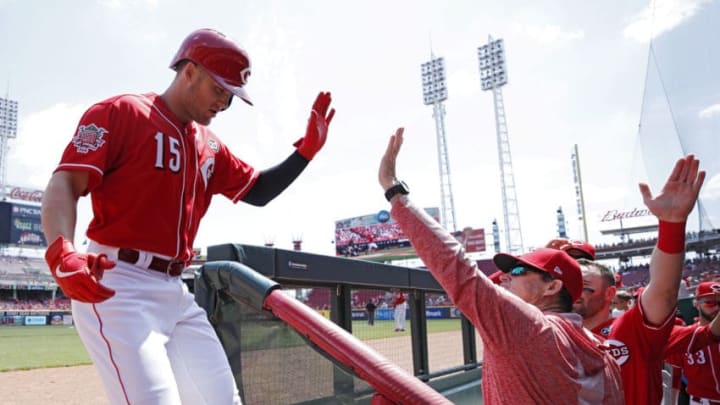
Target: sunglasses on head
521, 270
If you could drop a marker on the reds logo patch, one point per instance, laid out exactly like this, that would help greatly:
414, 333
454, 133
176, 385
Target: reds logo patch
207, 169
244, 75
89, 138
213, 145
618, 350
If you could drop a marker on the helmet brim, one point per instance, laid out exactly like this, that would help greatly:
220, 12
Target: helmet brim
238, 91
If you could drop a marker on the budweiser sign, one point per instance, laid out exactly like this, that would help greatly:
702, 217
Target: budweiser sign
26, 194
614, 215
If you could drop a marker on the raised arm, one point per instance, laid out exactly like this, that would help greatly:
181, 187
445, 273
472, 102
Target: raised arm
273, 181
672, 208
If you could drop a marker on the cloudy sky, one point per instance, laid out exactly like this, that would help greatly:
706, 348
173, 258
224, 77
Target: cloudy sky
577, 73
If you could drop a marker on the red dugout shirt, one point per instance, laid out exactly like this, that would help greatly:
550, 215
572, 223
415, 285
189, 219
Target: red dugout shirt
151, 178
530, 357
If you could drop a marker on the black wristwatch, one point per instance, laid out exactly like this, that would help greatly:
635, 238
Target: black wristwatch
399, 188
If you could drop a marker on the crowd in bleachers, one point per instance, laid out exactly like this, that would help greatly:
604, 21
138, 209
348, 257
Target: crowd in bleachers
636, 242
26, 284
62, 304
355, 240
695, 271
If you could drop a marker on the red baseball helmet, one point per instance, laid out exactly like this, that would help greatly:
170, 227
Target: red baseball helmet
222, 58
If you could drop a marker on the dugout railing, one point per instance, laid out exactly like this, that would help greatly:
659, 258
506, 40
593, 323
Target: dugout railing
272, 363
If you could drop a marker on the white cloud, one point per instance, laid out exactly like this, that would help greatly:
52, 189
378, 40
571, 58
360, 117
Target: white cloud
660, 16
552, 35
118, 4
711, 188
710, 111
41, 139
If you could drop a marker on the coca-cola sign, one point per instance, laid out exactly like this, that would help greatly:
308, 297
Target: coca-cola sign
18, 193
614, 215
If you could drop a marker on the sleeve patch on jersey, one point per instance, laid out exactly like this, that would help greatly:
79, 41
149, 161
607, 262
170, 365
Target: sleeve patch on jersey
213, 145
89, 138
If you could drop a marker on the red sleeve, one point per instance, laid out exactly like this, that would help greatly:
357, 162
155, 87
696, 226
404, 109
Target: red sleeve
231, 176
501, 318
92, 148
689, 339
680, 337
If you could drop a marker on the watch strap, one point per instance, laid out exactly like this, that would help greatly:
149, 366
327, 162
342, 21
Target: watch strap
399, 188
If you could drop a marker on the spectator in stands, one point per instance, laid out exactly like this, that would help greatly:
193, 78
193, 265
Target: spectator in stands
620, 303
536, 351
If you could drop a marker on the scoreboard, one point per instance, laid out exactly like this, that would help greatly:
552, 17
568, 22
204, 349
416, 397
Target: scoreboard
20, 225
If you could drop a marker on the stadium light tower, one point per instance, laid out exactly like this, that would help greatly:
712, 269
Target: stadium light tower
8, 130
493, 75
579, 198
434, 93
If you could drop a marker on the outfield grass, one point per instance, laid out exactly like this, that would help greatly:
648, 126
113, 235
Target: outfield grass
386, 329
29, 347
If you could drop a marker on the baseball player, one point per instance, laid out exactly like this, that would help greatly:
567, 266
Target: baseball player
637, 337
399, 305
536, 350
151, 167
688, 347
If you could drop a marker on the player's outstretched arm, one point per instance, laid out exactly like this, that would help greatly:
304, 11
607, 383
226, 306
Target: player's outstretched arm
317, 128
273, 181
386, 173
671, 206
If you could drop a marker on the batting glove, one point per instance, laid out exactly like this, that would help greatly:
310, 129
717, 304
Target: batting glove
317, 128
77, 274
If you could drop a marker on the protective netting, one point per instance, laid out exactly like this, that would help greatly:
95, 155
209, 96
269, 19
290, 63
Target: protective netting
276, 365
681, 106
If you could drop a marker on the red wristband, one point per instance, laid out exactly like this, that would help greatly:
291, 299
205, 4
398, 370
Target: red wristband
671, 237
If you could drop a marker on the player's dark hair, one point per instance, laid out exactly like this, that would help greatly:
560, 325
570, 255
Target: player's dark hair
178, 66
607, 275
565, 300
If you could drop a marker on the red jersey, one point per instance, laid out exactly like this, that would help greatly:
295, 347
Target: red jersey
399, 299
639, 350
697, 352
151, 178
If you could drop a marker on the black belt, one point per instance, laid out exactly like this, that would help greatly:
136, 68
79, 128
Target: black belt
170, 267
709, 401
